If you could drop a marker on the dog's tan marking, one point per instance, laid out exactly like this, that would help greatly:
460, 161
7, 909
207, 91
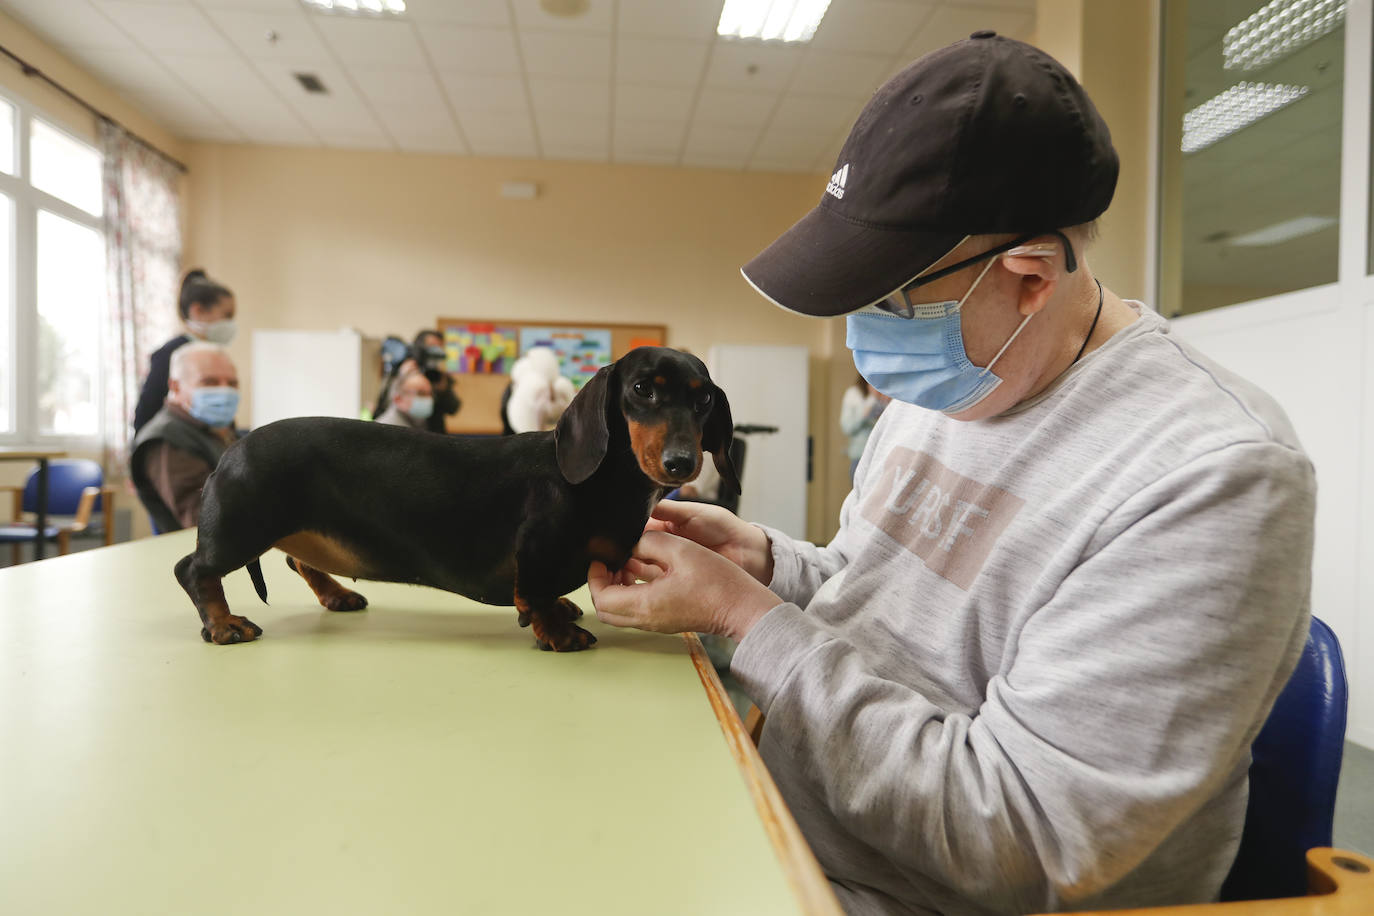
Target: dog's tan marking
322, 552
647, 442
660, 380
331, 594
694, 383
604, 549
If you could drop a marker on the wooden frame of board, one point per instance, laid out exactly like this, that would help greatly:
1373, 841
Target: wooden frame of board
481, 392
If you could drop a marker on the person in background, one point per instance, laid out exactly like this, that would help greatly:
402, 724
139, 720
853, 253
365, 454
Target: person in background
859, 410
412, 401
538, 392
426, 356
207, 309
1074, 571
176, 450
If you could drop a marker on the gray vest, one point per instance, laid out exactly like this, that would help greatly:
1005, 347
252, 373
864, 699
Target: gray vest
166, 426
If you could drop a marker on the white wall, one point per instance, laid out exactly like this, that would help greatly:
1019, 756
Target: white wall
1314, 352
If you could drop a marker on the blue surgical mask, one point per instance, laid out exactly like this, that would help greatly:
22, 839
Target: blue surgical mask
215, 406
421, 408
921, 360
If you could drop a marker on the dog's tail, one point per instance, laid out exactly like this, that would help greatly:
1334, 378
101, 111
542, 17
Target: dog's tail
255, 573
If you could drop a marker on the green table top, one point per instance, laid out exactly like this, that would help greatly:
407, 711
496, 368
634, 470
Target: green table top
418, 757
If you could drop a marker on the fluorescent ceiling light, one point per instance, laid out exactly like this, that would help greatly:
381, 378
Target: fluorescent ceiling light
1277, 29
771, 20
358, 7
1282, 232
1236, 108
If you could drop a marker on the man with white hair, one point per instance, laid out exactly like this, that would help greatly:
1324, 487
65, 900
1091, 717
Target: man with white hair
180, 446
1074, 570
412, 401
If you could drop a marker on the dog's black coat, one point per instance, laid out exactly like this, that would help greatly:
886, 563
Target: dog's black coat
509, 520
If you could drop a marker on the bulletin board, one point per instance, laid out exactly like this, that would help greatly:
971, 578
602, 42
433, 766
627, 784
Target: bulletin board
481, 352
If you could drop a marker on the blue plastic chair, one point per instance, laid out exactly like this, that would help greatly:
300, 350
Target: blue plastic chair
1295, 765
74, 489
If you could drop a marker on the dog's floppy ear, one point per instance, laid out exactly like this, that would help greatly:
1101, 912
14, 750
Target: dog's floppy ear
582, 434
717, 436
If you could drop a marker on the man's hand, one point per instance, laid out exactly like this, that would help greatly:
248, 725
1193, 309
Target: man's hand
718, 530
686, 587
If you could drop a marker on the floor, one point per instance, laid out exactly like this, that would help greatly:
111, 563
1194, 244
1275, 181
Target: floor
1355, 801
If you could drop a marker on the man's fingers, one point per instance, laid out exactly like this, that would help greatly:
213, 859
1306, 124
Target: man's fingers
638, 569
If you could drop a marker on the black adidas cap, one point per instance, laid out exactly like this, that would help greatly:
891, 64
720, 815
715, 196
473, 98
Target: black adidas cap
987, 135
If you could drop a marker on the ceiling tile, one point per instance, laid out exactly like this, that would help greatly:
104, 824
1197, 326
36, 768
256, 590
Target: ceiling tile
69, 24
463, 12
800, 145
494, 133
876, 26
530, 14
712, 141
463, 49
815, 112
841, 73
283, 135
385, 87
183, 113
124, 69
566, 54
372, 42
653, 103
339, 109
571, 131
484, 93
951, 23
158, 27
660, 61
586, 97
647, 141
670, 18
268, 5
295, 39
737, 65
217, 75
740, 109
424, 138
361, 137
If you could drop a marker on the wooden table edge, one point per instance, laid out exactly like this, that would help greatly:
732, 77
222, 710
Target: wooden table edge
799, 864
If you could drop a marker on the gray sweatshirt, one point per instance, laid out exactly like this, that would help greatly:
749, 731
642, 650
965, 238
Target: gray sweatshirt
1026, 673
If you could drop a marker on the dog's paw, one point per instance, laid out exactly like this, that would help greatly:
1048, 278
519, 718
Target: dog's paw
572, 639
574, 612
230, 630
345, 600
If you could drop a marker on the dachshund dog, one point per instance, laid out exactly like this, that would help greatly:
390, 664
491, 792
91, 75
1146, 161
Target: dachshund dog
512, 520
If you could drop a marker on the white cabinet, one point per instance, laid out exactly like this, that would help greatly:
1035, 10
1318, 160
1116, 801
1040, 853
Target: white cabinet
313, 374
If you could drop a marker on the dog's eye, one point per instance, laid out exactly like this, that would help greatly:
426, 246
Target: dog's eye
704, 402
644, 389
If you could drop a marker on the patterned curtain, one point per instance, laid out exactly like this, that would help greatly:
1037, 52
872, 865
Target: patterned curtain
142, 265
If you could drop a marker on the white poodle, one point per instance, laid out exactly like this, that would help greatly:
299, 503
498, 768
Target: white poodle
539, 392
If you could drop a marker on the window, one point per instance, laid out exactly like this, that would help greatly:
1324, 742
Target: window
52, 281
1257, 156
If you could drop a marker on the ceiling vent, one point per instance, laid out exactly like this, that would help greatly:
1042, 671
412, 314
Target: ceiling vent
311, 82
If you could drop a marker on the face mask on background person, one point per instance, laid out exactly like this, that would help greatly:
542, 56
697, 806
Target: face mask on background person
921, 360
215, 406
220, 332
421, 407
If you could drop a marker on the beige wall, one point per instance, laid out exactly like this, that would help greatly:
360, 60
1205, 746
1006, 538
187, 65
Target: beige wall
1109, 45
388, 242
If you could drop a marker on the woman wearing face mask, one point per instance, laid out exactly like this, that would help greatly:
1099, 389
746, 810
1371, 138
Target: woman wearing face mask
207, 309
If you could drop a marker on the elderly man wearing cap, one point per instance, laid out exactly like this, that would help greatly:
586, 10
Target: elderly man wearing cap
1074, 570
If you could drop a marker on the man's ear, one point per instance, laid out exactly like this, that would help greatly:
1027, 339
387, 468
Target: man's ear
1038, 269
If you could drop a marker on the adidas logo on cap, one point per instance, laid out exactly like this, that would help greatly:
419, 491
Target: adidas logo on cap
836, 186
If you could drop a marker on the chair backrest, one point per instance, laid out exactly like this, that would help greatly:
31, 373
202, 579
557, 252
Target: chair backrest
1295, 765
67, 477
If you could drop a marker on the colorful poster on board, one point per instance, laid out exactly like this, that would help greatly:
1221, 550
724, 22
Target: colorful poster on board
481, 348
581, 351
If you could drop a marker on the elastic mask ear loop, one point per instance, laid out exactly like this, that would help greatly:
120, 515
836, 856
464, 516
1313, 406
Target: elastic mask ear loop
983, 273
988, 367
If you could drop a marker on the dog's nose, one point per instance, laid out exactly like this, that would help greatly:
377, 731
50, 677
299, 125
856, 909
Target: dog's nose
679, 465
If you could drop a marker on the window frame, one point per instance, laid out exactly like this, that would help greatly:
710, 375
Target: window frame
23, 331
